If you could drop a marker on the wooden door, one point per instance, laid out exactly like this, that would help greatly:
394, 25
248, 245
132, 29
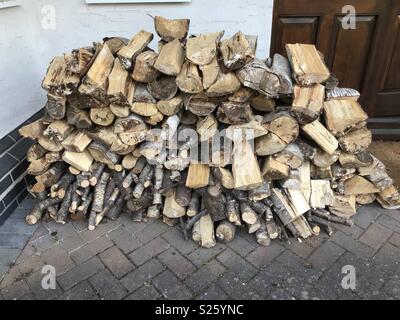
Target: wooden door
366, 58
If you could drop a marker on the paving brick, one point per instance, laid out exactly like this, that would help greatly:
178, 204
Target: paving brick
367, 291
240, 245
366, 215
80, 273
262, 256
352, 245
236, 288
17, 226
35, 283
124, 240
203, 277
170, 287
58, 258
144, 293
177, 263
237, 265
280, 294
12, 275
82, 291
325, 255
107, 286
101, 229
44, 243
389, 222
175, 239
145, 273
354, 231
116, 262
213, 292
27, 203
32, 264
20, 214
152, 231
392, 286
201, 255
66, 234
13, 240
387, 258
132, 227
15, 290
90, 250
8, 256
299, 267
148, 251
303, 249
375, 235
395, 239
363, 267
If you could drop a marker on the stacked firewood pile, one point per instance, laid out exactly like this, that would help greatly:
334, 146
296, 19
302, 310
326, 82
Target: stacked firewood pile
204, 135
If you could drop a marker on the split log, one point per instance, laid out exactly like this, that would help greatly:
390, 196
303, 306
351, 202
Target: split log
50, 144
94, 84
163, 88
256, 75
78, 118
307, 65
356, 141
56, 106
317, 132
233, 210
245, 168
274, 170
362, 159
171, 208
198, 175
262, 235
321, 194
136, 45
100, 153
364, 199
359, 185
79, 60
170, 29
80, 160
144, 109
120, 111
33, 130
189, 80
269, 144
102, 116
171, 106
247, 213
38, 167
76, 141
263, 103
291, 155
207, 235
323, 173
144, 67
207, 127
52, 175
235, 113
226, 83
194, 205
343, 206
225, 231
63, 212
281, 66
35, 152
183, 195
323, 159
342, 94
224, 176
343, 115
236, 51
171, 58
307, 103
37, 212
210, 73
282, 125
202, 49
120, 86
214, 203
99, 192
58, 79
58, 130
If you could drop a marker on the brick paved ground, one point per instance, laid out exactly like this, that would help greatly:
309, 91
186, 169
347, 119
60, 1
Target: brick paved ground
129, 260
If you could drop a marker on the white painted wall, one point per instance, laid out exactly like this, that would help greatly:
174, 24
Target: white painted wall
26, 48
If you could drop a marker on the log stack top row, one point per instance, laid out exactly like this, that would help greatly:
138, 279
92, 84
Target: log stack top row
304, 165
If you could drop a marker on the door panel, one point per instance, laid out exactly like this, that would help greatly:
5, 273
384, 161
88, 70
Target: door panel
366, 58
351, 51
